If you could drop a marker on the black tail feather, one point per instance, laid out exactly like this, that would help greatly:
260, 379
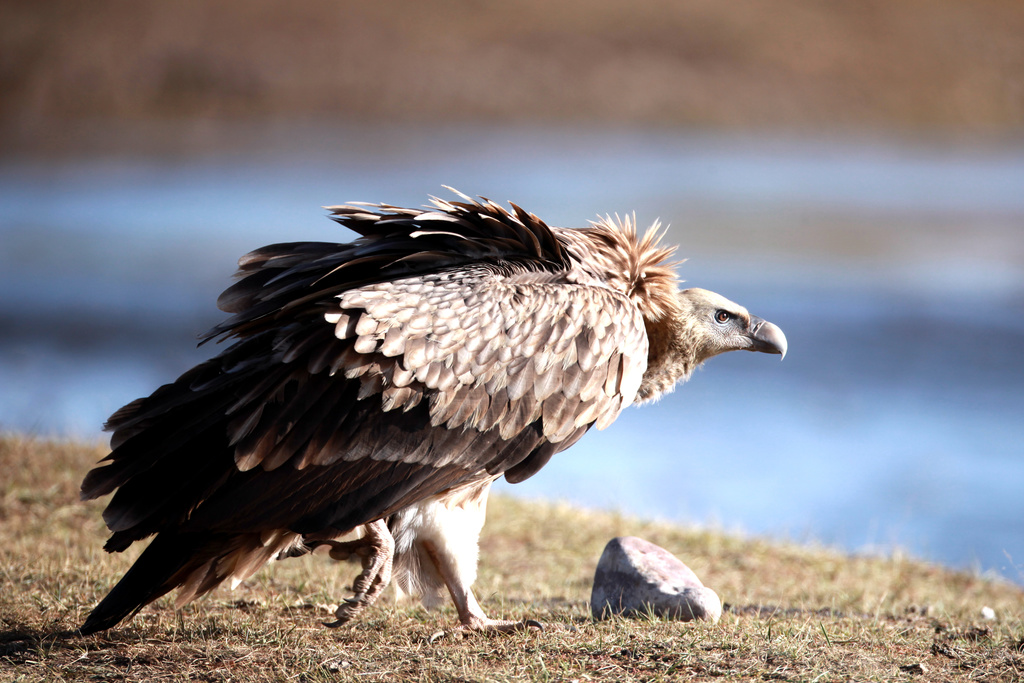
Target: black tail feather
153, 575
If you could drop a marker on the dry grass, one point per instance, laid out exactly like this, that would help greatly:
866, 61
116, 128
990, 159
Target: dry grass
796, 613
936, 64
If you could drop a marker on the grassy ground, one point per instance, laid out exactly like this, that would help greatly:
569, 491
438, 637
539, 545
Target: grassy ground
792, 613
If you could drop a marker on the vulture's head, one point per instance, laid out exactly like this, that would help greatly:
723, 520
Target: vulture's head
704, 325
719, 325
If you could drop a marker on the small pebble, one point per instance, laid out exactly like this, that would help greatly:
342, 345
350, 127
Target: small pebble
915, 669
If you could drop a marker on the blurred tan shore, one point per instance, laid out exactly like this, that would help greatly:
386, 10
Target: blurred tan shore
938, 66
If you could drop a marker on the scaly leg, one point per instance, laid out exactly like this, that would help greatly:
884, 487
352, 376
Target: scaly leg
377, 551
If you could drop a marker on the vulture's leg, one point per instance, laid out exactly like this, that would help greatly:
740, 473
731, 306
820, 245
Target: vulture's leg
471, 615
376, 550
443, 533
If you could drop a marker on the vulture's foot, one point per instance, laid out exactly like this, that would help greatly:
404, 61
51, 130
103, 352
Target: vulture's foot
472, 618
486, 625
376, 550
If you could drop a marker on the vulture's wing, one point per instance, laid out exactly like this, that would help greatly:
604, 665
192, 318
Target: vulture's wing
369, 376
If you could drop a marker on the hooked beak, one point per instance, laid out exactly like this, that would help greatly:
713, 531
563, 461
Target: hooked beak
766, 337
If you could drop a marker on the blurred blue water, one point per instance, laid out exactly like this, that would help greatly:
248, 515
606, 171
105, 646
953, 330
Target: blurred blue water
896, 270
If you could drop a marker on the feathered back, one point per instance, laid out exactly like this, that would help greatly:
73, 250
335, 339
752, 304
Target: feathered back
395, 243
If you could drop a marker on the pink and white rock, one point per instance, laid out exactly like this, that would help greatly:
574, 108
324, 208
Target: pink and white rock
635, 577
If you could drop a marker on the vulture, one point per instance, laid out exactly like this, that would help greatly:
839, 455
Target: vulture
373, 391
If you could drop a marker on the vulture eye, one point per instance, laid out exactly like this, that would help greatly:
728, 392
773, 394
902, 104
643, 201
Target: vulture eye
723, 316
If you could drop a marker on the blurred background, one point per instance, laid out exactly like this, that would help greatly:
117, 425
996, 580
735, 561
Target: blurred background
853, 172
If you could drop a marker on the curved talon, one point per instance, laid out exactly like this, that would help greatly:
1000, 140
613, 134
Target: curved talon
339, 550
498, 626
340, 621
347, 610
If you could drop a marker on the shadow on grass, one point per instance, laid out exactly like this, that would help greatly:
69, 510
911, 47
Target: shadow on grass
773, 611
17, 640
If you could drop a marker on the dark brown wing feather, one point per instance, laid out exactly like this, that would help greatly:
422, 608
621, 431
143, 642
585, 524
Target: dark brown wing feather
369, 376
